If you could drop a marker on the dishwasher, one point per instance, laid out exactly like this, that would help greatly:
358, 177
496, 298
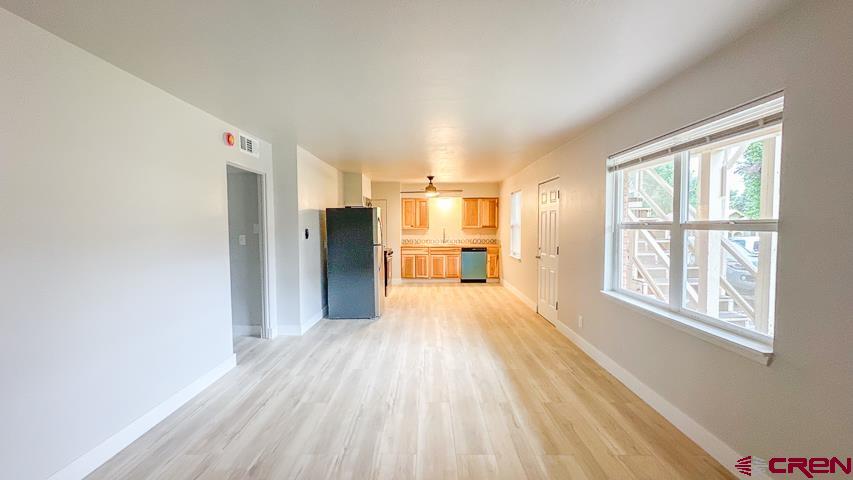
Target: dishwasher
473, 265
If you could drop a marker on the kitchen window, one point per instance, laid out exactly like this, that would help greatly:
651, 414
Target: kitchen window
693, 219
515, 225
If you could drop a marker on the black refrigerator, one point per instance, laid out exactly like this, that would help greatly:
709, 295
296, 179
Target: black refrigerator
355, 264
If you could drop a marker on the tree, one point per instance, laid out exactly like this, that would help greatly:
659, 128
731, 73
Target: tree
667, 170
748, 202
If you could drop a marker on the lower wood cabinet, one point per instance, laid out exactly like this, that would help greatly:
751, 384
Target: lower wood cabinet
493, 262
437, 263
440, 262
452, 267
421, 266
408, 270
415, 262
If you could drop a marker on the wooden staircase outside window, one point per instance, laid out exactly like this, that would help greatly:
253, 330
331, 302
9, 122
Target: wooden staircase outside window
647, 253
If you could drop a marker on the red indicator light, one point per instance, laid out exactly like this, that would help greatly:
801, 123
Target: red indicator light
229, 139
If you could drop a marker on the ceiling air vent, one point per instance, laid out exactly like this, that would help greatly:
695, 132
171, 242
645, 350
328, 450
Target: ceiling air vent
249, 145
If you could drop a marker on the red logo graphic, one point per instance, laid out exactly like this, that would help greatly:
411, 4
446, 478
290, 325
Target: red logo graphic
744, 466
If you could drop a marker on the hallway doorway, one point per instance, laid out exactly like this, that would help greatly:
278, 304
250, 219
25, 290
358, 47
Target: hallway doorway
245, 250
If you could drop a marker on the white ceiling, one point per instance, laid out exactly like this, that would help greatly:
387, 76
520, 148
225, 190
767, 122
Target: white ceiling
465, 90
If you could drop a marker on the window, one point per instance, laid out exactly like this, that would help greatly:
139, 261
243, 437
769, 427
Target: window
694, 218
515, 224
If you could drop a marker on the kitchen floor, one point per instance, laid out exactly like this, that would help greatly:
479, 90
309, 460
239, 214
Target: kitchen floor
454, 381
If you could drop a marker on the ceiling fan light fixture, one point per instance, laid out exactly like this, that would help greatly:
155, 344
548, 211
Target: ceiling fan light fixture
430, 190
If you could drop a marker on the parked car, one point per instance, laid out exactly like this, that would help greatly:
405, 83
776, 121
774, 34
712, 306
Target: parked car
736, 273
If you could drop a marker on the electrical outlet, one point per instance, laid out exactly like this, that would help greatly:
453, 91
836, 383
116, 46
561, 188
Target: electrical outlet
580, 321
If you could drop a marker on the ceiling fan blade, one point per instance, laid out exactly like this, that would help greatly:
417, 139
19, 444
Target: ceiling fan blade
441, 191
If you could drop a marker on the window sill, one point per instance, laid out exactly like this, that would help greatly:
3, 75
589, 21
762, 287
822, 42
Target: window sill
751, 349
515, 257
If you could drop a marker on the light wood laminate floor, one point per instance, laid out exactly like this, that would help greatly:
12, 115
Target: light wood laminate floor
454, 381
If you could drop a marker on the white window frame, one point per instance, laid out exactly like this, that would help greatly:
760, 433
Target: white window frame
515, 224
756, 344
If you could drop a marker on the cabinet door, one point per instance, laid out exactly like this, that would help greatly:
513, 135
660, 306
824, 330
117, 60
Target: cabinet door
422, 214
470, 213
489, 213
437, 262
410, 213
408, 266
493, 265
451, 269
421, 266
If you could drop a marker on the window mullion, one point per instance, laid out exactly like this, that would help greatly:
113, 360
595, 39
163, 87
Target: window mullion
676, 241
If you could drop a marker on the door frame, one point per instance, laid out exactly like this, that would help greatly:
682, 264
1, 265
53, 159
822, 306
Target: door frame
269, 312
539, 240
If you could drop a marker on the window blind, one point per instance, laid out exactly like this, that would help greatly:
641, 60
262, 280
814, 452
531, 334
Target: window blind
762, 113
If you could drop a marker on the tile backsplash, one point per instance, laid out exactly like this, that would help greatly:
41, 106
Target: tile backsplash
461, 241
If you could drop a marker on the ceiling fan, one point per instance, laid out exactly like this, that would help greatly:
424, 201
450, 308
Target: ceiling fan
430, 190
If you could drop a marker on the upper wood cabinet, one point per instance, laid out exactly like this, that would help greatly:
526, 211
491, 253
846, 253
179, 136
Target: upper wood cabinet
488, 213
470, 213
479, 213
415, 213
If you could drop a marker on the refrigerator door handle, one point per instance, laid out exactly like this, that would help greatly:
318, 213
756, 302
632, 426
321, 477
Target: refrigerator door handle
379, 280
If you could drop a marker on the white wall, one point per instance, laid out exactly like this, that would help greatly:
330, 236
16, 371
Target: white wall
245, 259
114, 251
356, 187
521, 273
390, 192
801, 402
287, 236
320, 187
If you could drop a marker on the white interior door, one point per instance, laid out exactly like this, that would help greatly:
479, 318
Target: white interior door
549, 248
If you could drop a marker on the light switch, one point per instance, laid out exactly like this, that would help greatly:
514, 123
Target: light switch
242, 239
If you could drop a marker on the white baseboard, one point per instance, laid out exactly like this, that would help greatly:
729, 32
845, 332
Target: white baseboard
396, 281
96, 457
717, 448
290, 330
526, 300
313, 320
302, 328
246, 330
